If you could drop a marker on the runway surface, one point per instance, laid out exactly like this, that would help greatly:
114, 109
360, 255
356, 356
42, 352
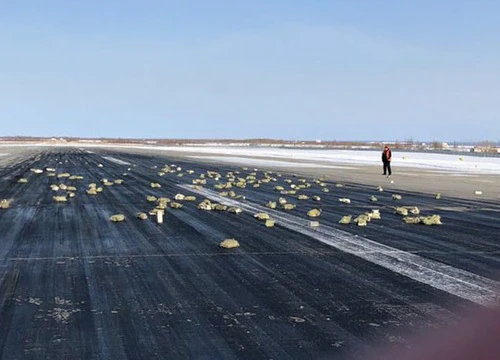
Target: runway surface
75, 285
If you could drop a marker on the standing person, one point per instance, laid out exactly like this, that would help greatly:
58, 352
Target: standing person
386, 160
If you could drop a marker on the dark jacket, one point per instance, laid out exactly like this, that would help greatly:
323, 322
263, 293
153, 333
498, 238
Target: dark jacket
386, 155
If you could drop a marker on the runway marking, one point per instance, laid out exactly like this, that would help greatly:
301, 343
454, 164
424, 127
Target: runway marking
116, 161
246, 253
138, 256
458, 282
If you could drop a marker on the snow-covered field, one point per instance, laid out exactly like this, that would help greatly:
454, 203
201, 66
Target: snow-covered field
261, 156
282, 157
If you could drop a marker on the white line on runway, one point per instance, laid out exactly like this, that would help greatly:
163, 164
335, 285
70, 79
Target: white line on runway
116, 161
458, 282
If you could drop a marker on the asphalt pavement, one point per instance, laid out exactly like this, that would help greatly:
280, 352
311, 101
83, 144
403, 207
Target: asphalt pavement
74, 285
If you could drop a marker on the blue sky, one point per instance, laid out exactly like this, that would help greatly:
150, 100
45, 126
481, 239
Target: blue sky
332, 70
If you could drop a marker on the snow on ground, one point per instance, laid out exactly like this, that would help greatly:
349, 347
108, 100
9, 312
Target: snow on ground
437, 162
265, 162
445, 163
20, 145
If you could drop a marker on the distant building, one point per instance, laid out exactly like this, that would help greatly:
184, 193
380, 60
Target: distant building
482, 149
89, 140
